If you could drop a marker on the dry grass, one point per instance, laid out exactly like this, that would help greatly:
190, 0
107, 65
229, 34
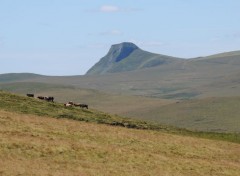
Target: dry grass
33, 145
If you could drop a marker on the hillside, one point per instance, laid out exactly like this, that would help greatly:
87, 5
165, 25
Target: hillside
46, 146
128, 57
224, 55
11, 77
26, 105
212, 76
216, 76
220, 114
208, 114
34, 143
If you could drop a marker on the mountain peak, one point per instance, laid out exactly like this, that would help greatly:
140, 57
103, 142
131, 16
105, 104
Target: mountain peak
124, 45
121, 51
127, 56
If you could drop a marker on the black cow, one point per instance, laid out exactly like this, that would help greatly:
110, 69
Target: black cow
30, 95
84, 106
81, 105
49, 99
41, 97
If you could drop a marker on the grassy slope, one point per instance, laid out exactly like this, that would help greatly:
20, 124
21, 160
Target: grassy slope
191, 79
42, 146
209, 114
224, 55
34, 145
26, 105
107, 102
140, 59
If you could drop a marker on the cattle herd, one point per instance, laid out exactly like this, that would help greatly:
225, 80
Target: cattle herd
51, 99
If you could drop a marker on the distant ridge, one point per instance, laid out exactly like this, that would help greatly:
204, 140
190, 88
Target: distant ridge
10, 77
127, 56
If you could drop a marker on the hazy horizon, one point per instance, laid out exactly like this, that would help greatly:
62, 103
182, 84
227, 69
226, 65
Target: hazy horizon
51, 37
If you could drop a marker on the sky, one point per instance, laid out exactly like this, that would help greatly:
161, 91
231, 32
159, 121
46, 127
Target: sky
67, 37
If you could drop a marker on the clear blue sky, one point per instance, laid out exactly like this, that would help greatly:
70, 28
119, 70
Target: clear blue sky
67, 37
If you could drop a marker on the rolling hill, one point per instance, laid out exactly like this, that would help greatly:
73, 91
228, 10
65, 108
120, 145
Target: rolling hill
42, 138
123, 71
26, 105
11, 77
219, 114
128, 57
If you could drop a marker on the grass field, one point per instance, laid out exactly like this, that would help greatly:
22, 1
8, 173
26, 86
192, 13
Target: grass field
33, 145
42, 138
220, 114
26, 105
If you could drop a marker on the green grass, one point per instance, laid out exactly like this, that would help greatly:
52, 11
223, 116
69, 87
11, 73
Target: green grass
31, 87
181, 96
211, 114
208, 114
26, 105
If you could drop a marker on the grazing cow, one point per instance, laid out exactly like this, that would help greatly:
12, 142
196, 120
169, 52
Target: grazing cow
70, 102
68, 105
30, 95
49, 99
40, 97
84, 106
